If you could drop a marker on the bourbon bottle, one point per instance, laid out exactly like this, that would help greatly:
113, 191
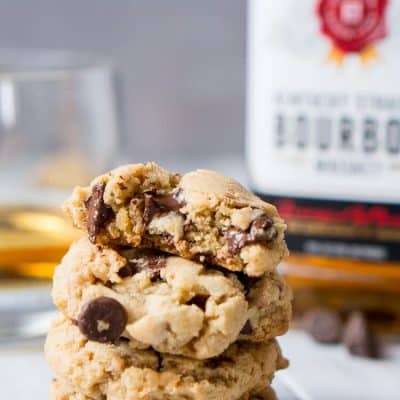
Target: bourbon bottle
323, 144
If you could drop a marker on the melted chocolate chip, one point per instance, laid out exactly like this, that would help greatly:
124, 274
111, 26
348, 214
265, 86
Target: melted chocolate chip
152, 264
324, 325
199, 300
98, 213
126, 271
102, 320
359, 337
261, 230
247, 328
155, 204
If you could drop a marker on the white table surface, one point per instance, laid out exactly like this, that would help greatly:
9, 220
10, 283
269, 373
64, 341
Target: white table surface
316, 372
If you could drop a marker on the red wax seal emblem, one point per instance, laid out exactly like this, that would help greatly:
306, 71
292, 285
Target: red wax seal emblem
353, 26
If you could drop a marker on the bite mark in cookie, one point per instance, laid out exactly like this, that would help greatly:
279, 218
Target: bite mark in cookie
200, 215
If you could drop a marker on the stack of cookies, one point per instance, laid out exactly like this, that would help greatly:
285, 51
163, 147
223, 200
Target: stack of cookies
172, 294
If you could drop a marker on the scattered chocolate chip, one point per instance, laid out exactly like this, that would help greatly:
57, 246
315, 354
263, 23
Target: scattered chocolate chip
216, 362
199, 300
247, 328
151, 263
102, 319
155, 204
98, 212
324, 325
261, 230
359, 338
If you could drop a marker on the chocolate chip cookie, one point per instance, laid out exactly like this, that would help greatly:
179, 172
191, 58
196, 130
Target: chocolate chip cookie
201, 215
61, 391
171, 304
116, 371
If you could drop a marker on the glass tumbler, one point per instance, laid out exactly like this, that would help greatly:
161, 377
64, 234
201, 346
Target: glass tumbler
58, 128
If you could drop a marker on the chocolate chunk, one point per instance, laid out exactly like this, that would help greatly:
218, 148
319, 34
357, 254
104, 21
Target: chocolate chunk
155, 204
102, 320
151, 263
359, 338
324, 325
247, 328
199, 300
98, 212
261, 230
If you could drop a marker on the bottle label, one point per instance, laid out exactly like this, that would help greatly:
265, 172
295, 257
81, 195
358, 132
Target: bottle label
323, 128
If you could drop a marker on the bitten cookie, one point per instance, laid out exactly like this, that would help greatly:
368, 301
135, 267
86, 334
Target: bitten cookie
118, 372
201, 215
61, 391
172, 304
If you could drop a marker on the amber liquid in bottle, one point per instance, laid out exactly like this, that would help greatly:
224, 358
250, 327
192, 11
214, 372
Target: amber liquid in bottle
32, 242
345, 285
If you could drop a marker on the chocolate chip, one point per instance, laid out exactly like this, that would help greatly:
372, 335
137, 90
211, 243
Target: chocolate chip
324, 325
261, 230
247, 328
216, 362
98, 212
159, 361
359, 338
150, 263
102, 319
126, 271
155, 204
247, 281
199, 300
